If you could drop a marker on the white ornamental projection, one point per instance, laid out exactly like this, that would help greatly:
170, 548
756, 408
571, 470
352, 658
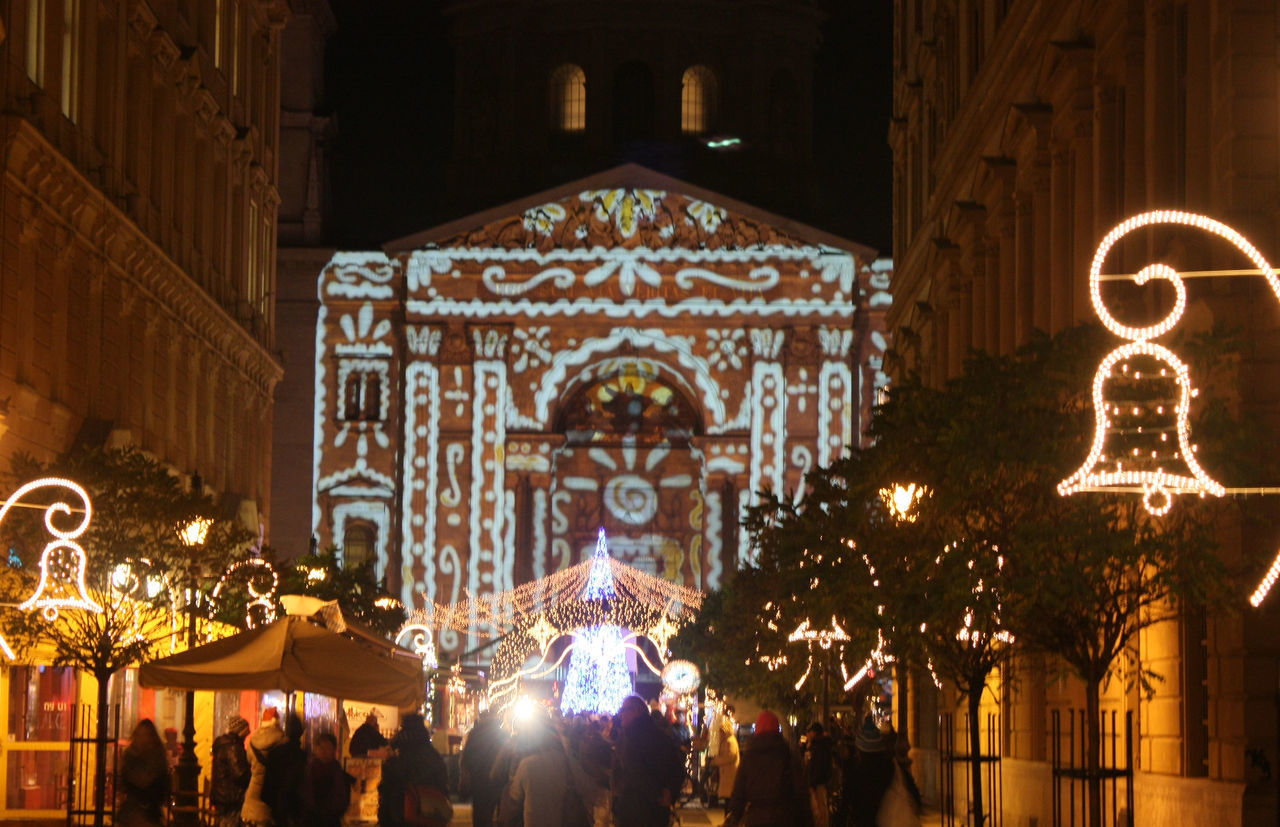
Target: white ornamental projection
1145, 446
490, 336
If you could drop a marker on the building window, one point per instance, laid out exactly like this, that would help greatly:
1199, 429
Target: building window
357, 545
362, 397
35, 41
70, 58
698, 100
569, 98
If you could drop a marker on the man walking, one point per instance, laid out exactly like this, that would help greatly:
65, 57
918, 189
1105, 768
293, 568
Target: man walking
648, 769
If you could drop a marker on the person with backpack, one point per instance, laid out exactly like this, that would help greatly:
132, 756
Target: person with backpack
415, 783
770, 787
230, 771
256, 812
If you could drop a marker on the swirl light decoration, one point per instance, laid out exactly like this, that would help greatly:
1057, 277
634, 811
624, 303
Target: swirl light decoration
262, 602
62, 563
1150, 469
416, 637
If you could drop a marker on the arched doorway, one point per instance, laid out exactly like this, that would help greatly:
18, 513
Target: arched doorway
629, 462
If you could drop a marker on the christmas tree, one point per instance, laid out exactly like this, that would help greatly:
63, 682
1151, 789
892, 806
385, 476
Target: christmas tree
598, 677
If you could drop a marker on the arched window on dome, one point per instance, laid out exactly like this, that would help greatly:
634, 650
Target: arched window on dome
357, 545
698, 98
569, 98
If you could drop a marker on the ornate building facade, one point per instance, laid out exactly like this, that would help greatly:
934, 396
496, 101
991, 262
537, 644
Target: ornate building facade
137, 218
1023, 132
626, 351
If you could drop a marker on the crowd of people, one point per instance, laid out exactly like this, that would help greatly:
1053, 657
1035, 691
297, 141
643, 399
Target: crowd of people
541, 770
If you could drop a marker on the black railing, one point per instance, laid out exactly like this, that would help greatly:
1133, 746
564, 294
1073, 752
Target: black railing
82, 761
1071, 775
992, 786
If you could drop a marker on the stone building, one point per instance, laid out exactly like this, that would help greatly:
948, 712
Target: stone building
625, 351
138, 151
709, 91
1023, 132
138, 226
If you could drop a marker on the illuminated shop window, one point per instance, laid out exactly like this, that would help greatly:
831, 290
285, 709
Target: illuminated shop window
41, 699
569, 98
698, 100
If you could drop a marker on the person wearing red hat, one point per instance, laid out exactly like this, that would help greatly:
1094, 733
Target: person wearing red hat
770, 787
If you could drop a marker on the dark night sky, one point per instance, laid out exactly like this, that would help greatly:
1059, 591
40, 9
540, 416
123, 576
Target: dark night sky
389, 82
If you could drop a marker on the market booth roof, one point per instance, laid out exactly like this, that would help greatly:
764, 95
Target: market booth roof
293, 655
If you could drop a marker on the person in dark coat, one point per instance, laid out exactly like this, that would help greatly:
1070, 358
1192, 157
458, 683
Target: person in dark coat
484, 742
770, 788
326, 788
648, 769
867, 776
286, 768
818, 751
142, 781
414, 762
230, 772
367, 737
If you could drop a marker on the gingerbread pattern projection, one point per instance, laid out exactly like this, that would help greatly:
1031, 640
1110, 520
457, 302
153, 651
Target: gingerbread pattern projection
62, 563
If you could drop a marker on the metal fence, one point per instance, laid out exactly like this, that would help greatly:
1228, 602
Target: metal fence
1071, 776
957, 763
82, 760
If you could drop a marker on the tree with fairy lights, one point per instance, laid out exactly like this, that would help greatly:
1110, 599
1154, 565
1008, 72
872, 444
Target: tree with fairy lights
598, 677
134, 564
982, 557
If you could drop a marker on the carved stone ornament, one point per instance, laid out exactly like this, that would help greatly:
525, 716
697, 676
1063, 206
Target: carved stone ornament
626, 218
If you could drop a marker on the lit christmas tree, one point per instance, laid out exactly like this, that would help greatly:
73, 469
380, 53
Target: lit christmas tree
598, 677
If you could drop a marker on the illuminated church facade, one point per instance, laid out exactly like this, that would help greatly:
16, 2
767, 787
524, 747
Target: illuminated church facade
626, 351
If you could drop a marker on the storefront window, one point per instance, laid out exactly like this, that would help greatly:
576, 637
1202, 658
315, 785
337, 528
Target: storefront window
37, 780
40, 703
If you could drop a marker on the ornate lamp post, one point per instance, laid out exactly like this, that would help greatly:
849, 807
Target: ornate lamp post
824, 638
187, 810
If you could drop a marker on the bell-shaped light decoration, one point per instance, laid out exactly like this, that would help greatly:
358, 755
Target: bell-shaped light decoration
1142, 391
62, 563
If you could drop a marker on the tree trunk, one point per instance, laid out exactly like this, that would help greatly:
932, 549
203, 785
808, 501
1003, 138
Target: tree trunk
100, 751
1093, 749
975, 751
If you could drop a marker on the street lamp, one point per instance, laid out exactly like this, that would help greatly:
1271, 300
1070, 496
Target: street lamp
187, 810
825, 638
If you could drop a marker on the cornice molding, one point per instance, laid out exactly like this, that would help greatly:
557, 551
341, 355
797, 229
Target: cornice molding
51, 186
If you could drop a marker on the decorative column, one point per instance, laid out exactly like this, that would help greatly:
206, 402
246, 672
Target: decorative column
835, 394
488, 568
768, 420
420, 475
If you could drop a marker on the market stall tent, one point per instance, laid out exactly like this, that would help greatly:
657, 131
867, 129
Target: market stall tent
294, 655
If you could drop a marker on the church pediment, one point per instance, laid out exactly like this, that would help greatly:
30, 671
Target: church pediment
627, 208
627, 218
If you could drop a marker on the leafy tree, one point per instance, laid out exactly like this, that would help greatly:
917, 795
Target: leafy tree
356, 588
994, 553
137, 569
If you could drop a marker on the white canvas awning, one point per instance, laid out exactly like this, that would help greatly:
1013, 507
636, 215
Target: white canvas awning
294, 655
